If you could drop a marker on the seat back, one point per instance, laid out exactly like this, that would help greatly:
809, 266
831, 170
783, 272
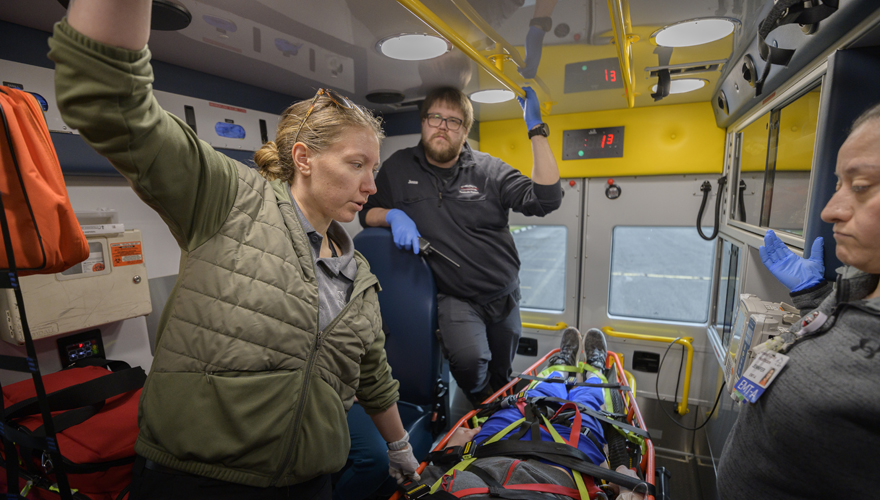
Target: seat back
409, 314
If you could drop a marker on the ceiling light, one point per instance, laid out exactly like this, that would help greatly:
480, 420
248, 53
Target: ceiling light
694, 32
492, 96
413, 47
684, 85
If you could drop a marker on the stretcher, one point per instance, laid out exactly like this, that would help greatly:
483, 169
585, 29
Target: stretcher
626, 395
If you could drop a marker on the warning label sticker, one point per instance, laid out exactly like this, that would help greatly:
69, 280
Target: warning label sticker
95, 262
127, 254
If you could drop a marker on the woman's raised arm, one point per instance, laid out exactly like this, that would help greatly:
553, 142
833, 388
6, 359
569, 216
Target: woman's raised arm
123, 24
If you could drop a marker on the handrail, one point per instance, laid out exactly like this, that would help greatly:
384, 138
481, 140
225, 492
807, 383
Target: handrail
419, 10
538, 326
619, 10
685, 341
477, 20
630, 381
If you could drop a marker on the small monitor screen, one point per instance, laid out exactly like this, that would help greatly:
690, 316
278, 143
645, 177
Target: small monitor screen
588, 143
599, 74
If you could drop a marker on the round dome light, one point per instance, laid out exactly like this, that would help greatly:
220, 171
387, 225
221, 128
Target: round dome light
694, 32
492, 96
684, 85
413, 47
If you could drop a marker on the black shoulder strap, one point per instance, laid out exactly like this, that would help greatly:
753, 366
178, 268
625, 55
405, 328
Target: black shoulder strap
87, 393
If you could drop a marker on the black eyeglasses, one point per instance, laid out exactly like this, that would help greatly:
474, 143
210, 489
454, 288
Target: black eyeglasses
451, 123
335, 98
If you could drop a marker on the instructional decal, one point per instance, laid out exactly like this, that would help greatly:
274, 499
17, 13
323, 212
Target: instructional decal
127, 253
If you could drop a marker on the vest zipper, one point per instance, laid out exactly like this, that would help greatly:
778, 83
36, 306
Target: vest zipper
313, 355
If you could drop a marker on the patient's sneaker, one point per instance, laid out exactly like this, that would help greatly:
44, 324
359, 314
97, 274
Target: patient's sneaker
568, 348
595, 348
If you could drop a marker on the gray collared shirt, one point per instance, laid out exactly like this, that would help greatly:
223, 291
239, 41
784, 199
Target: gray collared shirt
335, 274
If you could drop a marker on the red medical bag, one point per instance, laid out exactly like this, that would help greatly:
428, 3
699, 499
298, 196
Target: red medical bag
95, 415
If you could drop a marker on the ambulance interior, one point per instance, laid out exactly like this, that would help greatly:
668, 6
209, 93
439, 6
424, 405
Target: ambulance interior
648, 133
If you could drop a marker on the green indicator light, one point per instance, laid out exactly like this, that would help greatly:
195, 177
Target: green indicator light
584, 67
580, 153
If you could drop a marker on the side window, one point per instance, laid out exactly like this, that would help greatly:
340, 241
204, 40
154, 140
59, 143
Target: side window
542, 273
660, 273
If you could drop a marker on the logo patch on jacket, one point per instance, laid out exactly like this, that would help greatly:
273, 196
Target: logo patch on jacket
468, 189
412, 182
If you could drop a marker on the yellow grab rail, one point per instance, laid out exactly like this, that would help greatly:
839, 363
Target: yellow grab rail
538, 326
509, 52
619, 10
685, 341
630, 381
419, 10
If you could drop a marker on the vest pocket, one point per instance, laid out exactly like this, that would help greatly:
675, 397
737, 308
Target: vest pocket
323, 440
234, 419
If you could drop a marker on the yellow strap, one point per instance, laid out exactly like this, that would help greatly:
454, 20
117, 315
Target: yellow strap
459, 466
56, 489
26, 489
503, 432
467, 461
578, 477
550, 369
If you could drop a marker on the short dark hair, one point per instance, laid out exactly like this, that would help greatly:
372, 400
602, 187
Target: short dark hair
452, 97
871, 113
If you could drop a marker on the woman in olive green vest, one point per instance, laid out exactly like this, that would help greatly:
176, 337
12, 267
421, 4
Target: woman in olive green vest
273, 327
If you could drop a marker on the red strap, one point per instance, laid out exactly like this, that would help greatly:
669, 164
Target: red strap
575, 434
510, 471
548, 488
544, 488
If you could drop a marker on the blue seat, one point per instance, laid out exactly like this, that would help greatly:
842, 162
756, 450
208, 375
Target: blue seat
409, 315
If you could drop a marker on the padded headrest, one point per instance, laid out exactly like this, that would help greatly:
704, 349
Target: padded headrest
409, 313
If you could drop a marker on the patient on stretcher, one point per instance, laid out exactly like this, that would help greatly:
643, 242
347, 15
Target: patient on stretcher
566, 412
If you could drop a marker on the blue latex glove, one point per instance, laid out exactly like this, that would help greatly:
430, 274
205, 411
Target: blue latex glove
531, 108
403, 229
792, 271
534, 45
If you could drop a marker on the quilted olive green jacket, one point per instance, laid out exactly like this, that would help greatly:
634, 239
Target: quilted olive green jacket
243, 386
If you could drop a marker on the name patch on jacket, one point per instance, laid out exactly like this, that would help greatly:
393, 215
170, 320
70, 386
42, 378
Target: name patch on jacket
468, 189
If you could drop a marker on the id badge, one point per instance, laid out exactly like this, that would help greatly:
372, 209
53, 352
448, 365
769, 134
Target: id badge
759, 375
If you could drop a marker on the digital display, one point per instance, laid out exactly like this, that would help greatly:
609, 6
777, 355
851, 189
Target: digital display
591, 143
600, 74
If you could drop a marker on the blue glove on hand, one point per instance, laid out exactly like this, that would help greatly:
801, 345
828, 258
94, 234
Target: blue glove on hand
792, 271
531, 108
403, 229
534, 46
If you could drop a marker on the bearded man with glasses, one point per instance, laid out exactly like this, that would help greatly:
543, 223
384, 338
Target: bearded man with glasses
459, 200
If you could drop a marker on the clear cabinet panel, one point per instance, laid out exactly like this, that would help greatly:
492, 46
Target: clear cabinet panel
753, 164
796, 137
726, 298
775, 161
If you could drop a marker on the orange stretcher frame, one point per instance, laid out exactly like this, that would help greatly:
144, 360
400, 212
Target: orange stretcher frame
633, 415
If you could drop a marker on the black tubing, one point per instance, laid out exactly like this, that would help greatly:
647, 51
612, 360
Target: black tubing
706, 188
